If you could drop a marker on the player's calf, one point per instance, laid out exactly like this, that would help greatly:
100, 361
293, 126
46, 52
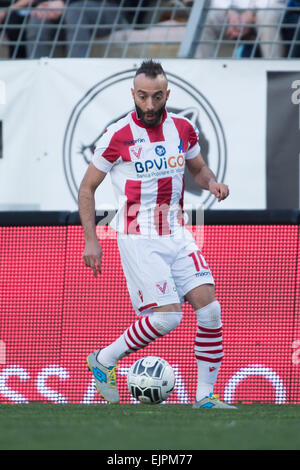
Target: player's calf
139, 335
208, 350
148, 329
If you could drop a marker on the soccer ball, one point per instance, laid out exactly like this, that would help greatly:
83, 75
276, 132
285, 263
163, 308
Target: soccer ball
151, 380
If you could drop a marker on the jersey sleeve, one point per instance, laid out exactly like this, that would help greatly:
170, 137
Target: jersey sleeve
106, 152
193, 143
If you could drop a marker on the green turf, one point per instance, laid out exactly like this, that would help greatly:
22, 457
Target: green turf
135, 427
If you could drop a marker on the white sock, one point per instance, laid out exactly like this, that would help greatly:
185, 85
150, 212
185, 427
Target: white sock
208, 348
110, 355
204, 390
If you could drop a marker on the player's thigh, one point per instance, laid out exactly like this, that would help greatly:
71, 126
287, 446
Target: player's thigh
201, 296
192, 276
148, 276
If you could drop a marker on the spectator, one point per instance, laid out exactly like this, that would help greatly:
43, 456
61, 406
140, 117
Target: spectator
291, 28
15, 17
76, 18
137, 15
160, 30
241, 18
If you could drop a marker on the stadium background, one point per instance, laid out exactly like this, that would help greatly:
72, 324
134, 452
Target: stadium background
53, 313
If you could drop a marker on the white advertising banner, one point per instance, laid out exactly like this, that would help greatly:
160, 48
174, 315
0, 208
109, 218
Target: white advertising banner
53, 112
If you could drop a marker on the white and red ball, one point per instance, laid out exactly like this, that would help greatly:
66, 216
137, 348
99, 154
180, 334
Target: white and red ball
151, 380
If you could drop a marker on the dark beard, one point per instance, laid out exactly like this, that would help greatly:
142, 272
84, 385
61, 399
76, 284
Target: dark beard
142, 116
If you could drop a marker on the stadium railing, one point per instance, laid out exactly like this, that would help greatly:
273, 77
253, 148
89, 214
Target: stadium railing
143, 28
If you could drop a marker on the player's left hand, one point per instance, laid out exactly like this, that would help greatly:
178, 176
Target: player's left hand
220, 190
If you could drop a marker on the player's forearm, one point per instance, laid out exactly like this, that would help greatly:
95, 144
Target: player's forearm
86, 204
204, 177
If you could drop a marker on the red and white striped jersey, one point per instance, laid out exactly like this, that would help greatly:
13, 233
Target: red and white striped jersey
146, 165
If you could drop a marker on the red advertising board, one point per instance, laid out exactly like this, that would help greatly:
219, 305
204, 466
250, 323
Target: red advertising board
53, 312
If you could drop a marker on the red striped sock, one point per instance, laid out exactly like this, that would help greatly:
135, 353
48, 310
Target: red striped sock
140, 334
208, 345
208, 350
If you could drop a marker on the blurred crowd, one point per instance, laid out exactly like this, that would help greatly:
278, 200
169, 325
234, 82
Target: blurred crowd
261, 28
256, 23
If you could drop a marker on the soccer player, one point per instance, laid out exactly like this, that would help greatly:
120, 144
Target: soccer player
146, 153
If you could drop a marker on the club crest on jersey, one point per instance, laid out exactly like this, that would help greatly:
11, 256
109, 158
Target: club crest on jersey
162, 287
135, 153
160, 150
181, 146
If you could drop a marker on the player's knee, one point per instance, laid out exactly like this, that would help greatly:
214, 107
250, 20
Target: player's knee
165, 322
210, 315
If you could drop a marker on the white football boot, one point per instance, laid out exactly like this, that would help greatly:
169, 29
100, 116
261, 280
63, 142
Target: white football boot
212, 401
105, 378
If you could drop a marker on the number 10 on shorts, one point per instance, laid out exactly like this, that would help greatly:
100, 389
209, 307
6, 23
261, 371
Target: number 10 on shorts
199, 260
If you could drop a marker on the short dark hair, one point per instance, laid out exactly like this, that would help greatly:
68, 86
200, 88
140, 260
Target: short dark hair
151, 69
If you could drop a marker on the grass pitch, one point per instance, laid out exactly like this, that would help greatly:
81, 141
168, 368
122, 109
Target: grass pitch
159, 427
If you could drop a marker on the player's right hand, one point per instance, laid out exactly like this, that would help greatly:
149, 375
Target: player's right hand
92, 257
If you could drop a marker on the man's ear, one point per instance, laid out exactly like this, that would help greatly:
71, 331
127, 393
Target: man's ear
132, 92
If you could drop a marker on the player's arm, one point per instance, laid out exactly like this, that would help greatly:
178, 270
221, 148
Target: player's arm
92, 255
205, 178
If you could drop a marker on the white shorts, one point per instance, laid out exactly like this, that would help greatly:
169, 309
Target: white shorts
161, 271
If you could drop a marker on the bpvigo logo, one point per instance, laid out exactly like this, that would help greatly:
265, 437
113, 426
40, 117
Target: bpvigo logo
110, 99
